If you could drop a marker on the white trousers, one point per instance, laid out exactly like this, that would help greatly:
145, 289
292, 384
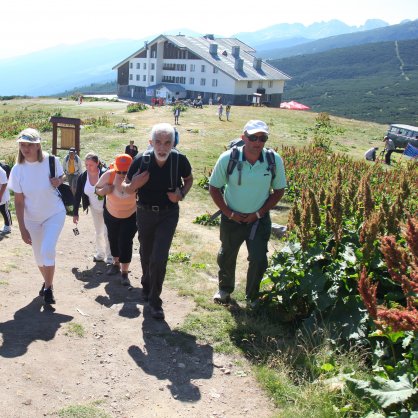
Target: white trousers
102, 242
44, 237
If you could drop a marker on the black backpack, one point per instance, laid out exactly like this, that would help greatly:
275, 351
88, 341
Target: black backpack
6, 168
174, 165
234, 162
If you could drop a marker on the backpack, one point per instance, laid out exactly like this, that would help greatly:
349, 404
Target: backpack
174, 165
6, 168
234, 162
63, 189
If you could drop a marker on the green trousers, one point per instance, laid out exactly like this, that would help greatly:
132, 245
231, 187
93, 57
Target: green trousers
232, 235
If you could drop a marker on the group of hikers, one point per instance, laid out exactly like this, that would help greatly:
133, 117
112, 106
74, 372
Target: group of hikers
140, 193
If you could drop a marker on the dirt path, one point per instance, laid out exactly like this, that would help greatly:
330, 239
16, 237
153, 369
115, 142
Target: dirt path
130, 364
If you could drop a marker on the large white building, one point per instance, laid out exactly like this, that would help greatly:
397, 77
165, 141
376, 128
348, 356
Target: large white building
186, 67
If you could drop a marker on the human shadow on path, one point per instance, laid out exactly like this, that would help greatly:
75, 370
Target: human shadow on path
30, 323
127, 298
174, 356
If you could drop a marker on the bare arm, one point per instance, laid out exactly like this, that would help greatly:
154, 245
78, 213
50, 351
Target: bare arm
2, 189
138, 180
20, 211
102, 187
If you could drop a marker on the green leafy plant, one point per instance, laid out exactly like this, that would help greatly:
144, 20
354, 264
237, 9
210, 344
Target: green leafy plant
136, 107
206, 219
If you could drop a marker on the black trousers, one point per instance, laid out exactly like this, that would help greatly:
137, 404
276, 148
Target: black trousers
121, 232
155, 234
4, 210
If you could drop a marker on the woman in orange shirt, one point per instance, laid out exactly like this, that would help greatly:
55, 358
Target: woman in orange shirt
119, 216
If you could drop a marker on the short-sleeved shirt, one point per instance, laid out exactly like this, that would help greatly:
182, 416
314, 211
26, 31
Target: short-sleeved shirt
256, 181
32, 179
154, 192
3, 180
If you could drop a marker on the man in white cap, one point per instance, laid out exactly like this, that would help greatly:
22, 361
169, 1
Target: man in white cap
254, 180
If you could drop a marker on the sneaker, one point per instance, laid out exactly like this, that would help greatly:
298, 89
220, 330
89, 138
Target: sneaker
41, 292
157, 313
124, 281
221, 297
49, 296
113, 269
98, 259
6, 230
109, 260
253, 304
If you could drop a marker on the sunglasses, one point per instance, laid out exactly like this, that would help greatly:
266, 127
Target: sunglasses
121, 172
261, 138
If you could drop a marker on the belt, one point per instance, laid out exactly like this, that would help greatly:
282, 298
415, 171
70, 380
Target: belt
155, 208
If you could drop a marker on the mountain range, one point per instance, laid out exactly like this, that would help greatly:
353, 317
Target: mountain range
65, 67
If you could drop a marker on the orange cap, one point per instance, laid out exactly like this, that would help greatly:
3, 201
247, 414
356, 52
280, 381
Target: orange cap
123, 162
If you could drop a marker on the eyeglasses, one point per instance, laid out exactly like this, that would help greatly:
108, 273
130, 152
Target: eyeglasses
121, 172
254, 138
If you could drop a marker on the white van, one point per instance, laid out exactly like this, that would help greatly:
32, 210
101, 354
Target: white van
403, 134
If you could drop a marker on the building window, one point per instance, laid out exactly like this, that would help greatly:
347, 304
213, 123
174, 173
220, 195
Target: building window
131, 77
144, 78
138, 66
215, 70
152, 66
152, 79
192, 67
131, 65
270, 83
260, 83
203, 81
145, 65
215, 83
154, 54
191, 80
138, 77
249, 84
203, 69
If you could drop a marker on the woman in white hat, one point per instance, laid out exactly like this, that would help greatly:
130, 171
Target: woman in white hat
39, 209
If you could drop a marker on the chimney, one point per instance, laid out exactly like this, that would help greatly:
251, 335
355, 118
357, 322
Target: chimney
235, 51
239, 62
213, 49
257, 63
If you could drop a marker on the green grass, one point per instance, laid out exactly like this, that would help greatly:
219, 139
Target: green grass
75, 330
82, 411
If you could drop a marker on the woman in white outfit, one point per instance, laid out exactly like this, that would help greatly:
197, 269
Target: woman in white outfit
39, 209
85, 194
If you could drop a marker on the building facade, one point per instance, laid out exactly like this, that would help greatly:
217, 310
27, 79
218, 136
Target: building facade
180, 67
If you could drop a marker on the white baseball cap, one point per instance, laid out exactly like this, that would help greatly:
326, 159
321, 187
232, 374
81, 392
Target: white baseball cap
255, 126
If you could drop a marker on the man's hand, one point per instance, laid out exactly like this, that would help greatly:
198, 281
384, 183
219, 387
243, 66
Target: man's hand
75, 219
55, 181
250, 218
175, 196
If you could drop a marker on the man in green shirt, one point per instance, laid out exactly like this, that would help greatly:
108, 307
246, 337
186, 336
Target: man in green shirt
250, 191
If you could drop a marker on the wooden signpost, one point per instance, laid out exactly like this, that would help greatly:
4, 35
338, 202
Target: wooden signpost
65, 133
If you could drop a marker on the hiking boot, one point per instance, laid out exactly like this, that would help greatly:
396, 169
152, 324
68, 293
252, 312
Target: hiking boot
124, 281
6, 230
41, 292
221, 296
113, 269
49, 296
157, 313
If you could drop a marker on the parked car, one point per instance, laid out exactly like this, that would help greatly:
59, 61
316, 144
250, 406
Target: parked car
403, 134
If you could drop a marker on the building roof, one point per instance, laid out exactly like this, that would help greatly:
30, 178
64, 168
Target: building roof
169, 86
223, 59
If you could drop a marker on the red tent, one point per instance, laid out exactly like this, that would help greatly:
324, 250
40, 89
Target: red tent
293, 106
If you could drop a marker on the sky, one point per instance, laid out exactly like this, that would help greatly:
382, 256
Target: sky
32, 25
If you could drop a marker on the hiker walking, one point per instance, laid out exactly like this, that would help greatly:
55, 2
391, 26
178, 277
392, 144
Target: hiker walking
40, 211
4, 203
249, 170
72, 166
161, 177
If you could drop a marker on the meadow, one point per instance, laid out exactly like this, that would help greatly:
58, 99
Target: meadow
320, 346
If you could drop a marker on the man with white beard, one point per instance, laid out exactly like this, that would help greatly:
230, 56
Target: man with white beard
161, 177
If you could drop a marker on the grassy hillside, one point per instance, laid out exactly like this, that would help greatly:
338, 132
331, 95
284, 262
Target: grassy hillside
376, 82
